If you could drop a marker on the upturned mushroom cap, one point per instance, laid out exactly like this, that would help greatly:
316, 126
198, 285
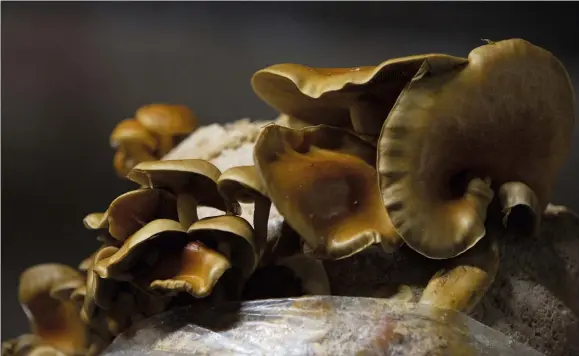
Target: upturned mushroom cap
99, 292
194, 176
120, 264
231, 236
192, 268
508, 115
357, 98
241, 183
323, 181
165, 119
56, 322
131, 210
131, 132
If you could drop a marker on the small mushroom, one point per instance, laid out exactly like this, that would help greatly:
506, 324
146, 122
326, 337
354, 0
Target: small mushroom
167, 122
506, 117
132, 210
193, 181
120, 264
134, 144
323, 181
192, 268
243, 184
357, 98
55, 321
231, 236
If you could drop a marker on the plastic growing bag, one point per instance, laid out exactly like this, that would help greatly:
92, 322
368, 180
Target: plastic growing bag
315, 326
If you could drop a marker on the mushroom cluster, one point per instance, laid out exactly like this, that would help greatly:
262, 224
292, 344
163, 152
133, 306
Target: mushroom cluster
439, 153
150, 135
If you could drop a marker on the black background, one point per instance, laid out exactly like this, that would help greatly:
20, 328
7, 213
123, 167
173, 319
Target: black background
71, 71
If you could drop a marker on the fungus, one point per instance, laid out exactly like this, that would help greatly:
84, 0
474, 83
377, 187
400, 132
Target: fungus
232, 237
243, 184
323, 181
132, 210
134, 144
507, 115
169, 123
54, 321
354, 98
192, 181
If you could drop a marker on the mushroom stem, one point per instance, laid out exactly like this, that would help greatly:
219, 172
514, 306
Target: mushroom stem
187, 209
520, 206
260, 222
461, 286
165, 144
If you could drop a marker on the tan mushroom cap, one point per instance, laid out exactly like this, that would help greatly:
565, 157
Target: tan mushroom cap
231, 236
119, 264
130, 131
357, 98
99, 292
131, 210
54, 321
323, 181
165, 119
192, 268
195, 176
508, 116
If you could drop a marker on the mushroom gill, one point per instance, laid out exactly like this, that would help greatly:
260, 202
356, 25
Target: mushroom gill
323, 181
506, 117
357, 98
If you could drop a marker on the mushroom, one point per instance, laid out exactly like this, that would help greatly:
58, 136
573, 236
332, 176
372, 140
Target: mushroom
167, 122
357, 98
506, 117
54, 321
243, 184
323, 181
193, 181
132, 210
134, 144
232, 237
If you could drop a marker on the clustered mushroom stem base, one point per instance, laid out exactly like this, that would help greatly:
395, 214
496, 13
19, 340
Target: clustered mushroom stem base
187, 210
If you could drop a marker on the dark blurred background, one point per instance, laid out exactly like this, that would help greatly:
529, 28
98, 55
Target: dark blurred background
71, 71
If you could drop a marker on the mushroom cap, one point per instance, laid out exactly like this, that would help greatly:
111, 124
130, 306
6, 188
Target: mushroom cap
119, 264
129, 211
194, 269
96, 221
130, 131
231, 236
323, 181
241, 183
99, 292
195, 176
508, 115
335, 96
167, 119
54, 321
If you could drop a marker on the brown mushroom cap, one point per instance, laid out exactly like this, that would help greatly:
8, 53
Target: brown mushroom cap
323, 181
355, 98
231, 236
56, 322
120, 264
131, 210
195, 176
167, 119
508, 115
131, 132
192, 268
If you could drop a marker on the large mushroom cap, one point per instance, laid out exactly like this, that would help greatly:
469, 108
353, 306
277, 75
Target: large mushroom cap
358, 98
130, 131
508, 116
323, 181
55, 321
